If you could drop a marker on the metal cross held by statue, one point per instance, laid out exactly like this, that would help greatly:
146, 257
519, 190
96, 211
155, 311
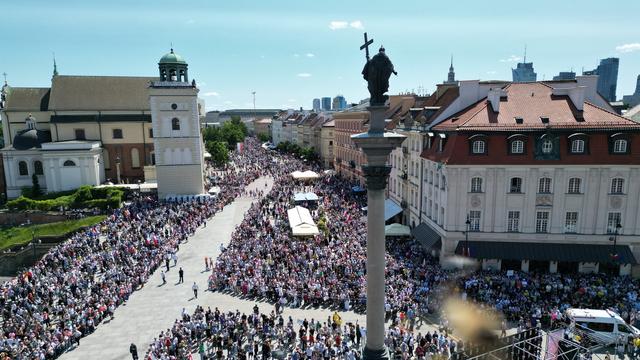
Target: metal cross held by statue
366, 44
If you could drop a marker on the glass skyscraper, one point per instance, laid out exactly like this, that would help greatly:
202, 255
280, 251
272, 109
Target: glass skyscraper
607, 73
524, 72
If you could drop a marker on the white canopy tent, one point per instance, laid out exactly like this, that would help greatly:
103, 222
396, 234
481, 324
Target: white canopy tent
308, 196
305, 175
396, 229
301, 222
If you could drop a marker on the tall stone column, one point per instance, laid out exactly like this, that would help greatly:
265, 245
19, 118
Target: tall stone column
376, 145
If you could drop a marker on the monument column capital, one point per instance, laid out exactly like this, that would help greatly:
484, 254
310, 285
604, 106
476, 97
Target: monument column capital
376, 176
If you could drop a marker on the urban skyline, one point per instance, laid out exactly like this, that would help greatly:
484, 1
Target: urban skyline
296, 53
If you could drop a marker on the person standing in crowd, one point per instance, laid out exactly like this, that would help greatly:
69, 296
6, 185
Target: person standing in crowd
180, 276
164, 278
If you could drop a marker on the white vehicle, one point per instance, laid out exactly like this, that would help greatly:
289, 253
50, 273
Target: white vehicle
605, 327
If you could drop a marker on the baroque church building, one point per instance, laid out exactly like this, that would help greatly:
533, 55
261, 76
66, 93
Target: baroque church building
97, 129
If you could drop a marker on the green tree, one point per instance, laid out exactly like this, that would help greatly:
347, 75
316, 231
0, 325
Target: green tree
264, 137
232, 134
219, 152
36, 190
213, 133
237, 122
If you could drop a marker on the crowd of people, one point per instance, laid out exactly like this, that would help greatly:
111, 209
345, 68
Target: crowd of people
79, 283
215, 334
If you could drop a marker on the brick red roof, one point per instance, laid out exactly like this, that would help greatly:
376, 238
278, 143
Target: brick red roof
531, 101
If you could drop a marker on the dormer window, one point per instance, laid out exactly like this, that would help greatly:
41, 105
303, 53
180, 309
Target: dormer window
519, 120
577, 146
547, 146
544, 119
30, 122
517, 147
578, 143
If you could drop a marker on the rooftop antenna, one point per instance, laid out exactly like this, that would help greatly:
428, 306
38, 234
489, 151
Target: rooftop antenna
55, 66
525, 53
171, 46
5, 77
254, 104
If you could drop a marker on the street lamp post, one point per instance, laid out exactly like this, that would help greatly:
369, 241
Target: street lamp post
466, 251
614, 238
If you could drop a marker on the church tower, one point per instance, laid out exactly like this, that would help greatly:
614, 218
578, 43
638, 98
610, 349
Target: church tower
176, 130
451, 77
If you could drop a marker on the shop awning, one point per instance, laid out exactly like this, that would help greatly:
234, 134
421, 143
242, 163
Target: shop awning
391, 209
301, 222
426, 236
304, 175
396, 229
547, 251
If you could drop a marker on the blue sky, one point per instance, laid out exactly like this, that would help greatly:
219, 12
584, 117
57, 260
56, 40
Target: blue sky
292, 51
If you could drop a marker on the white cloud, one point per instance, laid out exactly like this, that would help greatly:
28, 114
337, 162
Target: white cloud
340, 24
335, 25
202, 83
357, 24
512, 58
296, 55
627, 48
211, 93
309, 55
304, 75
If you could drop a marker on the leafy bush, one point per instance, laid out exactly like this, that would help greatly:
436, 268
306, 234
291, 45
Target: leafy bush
84, 197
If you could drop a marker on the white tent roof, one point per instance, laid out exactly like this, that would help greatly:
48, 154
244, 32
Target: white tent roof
301, 222
396, 229
303, 175
308, 196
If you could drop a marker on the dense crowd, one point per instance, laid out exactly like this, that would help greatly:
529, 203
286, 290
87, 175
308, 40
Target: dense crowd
78, 284
214, 334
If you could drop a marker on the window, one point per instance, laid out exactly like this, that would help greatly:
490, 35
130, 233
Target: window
617, 186
542, 221
150, 133
547, 146
620, 146
175, 124
544, 185
476, 185
613, 220
37, 167
517, 147
474, 220
601, 327
574, 186
571, 222
135, 158
80, 134
513, 221
117, 133
478, 147
577, 146
69, 163
330, 142
441, 145
516, 185
153, 158
23, 170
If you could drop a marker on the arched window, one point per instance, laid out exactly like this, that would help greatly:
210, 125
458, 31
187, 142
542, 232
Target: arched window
577, 146
172, 75
517, 147
478, 147
23, 169
135, 158
617, 186
547, 146
476, 184
516, 185
620, 146
175, 124
69, 163
574, 186
544, 185
37, 167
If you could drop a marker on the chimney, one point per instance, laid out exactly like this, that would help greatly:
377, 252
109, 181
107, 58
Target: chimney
577, 95
494, 98
590, 82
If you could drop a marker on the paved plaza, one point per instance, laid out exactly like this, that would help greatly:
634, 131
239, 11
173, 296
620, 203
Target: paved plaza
155, 307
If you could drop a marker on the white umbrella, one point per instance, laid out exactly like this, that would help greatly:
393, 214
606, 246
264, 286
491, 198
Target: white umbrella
396, 229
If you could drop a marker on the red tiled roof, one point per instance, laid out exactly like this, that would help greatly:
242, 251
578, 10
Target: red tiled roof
531, 101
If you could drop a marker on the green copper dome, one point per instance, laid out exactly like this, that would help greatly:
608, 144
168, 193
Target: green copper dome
172, 58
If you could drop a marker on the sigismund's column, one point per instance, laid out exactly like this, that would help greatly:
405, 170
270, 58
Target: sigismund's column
376, 145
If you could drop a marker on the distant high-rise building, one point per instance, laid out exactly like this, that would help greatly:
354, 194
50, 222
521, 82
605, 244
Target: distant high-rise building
565, 75
339, 103
316, 104
607, 73
326, 103
451, 76
633, 99
524, 71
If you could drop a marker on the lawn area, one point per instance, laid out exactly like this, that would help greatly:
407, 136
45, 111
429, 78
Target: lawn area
11, 236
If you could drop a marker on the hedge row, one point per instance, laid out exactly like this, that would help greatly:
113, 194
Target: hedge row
86, 197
